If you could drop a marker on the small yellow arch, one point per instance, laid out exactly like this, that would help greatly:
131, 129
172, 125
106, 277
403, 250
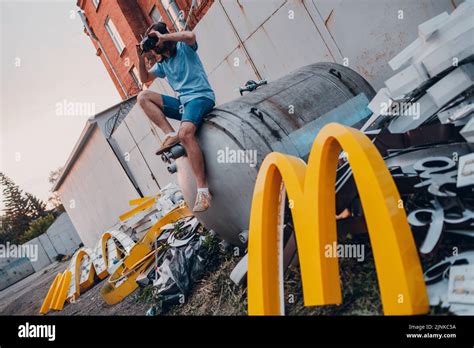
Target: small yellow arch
311, 188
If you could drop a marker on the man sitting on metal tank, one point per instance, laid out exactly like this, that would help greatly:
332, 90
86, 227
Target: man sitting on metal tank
178, 61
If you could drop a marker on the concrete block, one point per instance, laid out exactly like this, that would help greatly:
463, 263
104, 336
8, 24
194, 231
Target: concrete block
428, 28
407, 80
452, 85
468, 131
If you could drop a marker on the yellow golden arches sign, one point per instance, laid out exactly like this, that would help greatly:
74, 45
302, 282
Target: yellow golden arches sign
311, 188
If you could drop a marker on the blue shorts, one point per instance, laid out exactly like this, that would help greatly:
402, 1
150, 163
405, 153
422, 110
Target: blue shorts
193, 111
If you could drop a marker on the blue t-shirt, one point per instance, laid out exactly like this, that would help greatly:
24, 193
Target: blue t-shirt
185, 73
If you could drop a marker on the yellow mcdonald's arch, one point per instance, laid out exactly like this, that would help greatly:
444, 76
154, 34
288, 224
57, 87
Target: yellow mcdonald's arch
133, 258
311, 188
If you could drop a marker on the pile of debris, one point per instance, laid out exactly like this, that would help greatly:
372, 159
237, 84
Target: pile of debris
120, 252
180, 260
423, 125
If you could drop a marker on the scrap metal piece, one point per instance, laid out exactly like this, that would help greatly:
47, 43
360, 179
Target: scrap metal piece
244, 236
251, 86
440, 270
465, 171
430, 169
240, 271
189, 227
435, 223
468, 131
466, 217
407, 158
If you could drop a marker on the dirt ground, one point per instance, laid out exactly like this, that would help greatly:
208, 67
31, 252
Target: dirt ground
26, 297
213, 294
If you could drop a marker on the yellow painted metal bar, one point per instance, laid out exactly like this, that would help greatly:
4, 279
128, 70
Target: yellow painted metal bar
138, 201
311, 191
144, 205
57, 290
114, 294
49, 296
136, 261
62, 291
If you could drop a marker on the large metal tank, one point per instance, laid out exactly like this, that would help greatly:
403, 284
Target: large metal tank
261, 121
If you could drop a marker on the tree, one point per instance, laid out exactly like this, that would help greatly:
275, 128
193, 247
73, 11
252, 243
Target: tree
20, 210
54, 201
37, 227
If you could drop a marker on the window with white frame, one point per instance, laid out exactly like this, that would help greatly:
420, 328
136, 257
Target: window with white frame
174, 14
136, 76
155, 15
96, 3
114, 34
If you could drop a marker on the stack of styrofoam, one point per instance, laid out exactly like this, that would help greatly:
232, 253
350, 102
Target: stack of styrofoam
443, 43
168, 199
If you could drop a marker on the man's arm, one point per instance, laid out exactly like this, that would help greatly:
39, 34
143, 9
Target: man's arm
188, 37
145, 76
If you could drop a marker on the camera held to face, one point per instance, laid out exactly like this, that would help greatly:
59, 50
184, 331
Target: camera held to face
149, 42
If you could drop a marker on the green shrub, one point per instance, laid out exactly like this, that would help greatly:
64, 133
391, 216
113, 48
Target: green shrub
37, 227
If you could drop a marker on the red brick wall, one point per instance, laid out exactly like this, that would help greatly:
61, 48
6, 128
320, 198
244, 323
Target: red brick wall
131, 19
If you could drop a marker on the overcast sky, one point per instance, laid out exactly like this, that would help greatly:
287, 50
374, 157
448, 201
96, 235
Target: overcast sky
46, 62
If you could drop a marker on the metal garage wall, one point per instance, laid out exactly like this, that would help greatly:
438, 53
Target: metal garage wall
60, 238
248, 39
13, 270
63, 235
97, 190
138, 139
243, 40
370, 32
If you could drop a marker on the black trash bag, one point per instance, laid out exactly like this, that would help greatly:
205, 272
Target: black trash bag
180, 268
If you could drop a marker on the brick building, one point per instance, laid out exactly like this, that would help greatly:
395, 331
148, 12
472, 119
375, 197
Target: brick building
116, 26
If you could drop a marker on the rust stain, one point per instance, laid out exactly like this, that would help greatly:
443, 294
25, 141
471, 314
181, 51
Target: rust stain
241, 6
328, 21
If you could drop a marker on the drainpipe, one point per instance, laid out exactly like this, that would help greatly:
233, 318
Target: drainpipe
92, 35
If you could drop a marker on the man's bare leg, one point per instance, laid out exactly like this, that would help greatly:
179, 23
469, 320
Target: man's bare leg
152, 105
187, 136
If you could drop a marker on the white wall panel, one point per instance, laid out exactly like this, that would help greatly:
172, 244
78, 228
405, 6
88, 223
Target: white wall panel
101, 190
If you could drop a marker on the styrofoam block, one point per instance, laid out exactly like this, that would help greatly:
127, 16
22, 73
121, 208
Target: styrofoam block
445, 34
406, 55
452, 52
407, 80
468, 131
414, 116
452, 84
464, 8
428, 28
377, 106
382, 98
